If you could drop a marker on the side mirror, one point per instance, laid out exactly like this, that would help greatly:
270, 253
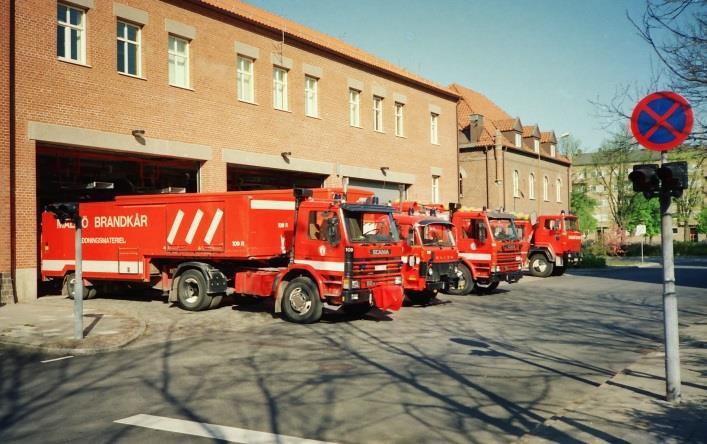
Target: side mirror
411, 237
482, 233
333, 231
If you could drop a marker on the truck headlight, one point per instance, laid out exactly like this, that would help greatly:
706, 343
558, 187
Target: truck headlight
411, 261
355, 284
518, 258
398, 280
496, 268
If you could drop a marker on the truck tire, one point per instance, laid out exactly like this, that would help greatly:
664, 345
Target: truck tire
191, 291
68, 288
485, 288
300, 301
465, 284
420, 297
539, 266
559, 271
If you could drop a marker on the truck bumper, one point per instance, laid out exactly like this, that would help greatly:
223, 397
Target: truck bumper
439, 276
385, 297
508, 276
572, 258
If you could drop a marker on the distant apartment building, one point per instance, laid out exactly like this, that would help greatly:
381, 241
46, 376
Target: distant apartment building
504, 164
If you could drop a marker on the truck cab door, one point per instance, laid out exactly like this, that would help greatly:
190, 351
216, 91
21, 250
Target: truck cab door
319, 241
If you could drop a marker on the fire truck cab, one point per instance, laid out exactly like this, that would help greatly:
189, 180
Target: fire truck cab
489, 248
430, 258
552, 244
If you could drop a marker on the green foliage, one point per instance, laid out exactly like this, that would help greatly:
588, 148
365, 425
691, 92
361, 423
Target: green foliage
583, 206
591, 260
645, 211
702, 221
679, 249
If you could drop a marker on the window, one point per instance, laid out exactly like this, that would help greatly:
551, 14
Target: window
279, 88
599, 188
355, 107
319, 225
531, 186
558, 190
70, 34
435, 189
552, 150
518, 140
545, 186
178, 53
246, 79
310, 97
399, 119
516, 184
129, 49
433, 128
378, 114
536, 146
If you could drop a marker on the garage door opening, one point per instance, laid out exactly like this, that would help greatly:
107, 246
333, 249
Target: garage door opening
387, 192
242, 178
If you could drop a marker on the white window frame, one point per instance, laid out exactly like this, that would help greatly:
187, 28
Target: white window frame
558, 190
138, 48
516, 183
311, 99
519, 140
280, 94
552, 150
354, 107
245, 78
378, 114
536, 146
435, 189
531, 186
80, 31
172, 57
546, 185
399, 119
434, 128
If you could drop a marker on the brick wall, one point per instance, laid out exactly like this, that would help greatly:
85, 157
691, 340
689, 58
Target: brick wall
5, 252
96, 96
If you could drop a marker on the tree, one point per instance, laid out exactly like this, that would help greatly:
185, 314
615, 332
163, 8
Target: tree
645, 212
570, 146
583, 206
702, 221
693, 196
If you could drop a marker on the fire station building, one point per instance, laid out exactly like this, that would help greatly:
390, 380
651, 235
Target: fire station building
199, 96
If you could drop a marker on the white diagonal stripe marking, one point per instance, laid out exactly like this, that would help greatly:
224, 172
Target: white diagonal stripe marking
213, 431
214, 225
175, 227
194, 225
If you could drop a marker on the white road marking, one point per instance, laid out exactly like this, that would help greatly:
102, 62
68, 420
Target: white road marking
214, 431
57, 359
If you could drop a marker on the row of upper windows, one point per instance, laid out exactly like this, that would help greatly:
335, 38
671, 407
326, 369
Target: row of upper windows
531, 187
71, 46
536, 145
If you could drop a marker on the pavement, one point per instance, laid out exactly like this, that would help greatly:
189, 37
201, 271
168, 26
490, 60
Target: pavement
628, 406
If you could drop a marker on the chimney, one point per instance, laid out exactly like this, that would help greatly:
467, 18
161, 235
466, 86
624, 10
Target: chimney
476, 125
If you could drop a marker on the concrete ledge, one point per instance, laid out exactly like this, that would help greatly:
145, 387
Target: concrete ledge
435, 171
400, 98
355, 84
246, 50
89, 138
86, 4
180, 29
278, 59
435, 109
379, 91
375, 174
311, 70
131, 14
240, 157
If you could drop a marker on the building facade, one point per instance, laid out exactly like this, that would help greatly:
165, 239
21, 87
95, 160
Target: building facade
505, 165
200, 96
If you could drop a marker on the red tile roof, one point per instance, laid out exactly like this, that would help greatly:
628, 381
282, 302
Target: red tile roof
531, 131
506, 124
294, 30
548, 136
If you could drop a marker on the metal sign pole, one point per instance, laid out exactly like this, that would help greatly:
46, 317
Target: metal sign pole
670, 301
78, 283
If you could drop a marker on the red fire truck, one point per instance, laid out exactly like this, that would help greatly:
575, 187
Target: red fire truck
303, 249
489, 248
551, 244
430, 258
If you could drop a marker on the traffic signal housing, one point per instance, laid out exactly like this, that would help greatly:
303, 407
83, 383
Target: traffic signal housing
645, 179
673, 177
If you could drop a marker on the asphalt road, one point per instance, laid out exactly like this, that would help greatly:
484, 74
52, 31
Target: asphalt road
470, 369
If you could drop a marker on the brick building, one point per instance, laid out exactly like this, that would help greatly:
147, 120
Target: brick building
209, 95
503, 164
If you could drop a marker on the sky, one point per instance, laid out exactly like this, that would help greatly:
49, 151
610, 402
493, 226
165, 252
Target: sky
540, 60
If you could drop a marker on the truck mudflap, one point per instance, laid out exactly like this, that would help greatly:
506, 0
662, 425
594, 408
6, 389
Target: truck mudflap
388, 297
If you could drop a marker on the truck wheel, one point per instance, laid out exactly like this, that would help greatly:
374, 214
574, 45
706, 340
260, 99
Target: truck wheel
68, 288
465, 283
540, 266
191, 291
559, 271
420, 297
486, 288
300, 302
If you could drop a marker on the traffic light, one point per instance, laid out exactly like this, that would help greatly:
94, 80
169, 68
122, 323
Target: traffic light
65, 211
673, 177
645, 179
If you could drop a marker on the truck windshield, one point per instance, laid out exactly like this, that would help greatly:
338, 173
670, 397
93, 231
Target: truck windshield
370, 227
503, 229
436, 235
571, 224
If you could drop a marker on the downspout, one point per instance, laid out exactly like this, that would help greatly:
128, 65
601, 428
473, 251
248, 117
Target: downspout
488, 197
13, 130
498, 152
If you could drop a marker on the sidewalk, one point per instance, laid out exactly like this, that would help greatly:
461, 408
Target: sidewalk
49, 325
630, 407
